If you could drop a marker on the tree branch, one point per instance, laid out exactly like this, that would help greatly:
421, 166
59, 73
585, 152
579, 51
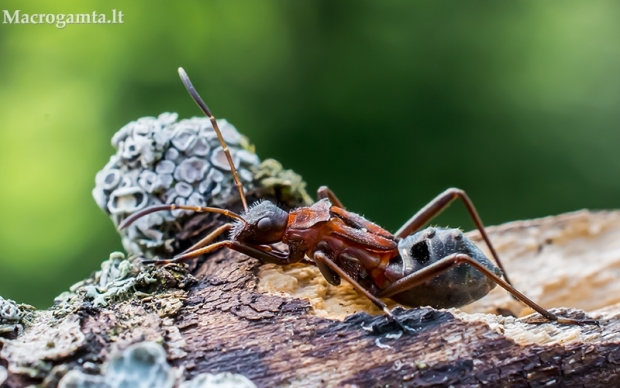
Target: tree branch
287, 326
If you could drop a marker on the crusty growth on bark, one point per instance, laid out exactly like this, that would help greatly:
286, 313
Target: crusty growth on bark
289, 327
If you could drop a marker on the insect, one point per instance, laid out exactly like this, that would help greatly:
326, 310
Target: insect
435, 267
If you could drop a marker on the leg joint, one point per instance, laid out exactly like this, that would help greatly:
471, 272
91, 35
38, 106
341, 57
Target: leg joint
456, 192
462, 258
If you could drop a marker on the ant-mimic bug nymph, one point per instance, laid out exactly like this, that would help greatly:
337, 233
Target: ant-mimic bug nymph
434, 267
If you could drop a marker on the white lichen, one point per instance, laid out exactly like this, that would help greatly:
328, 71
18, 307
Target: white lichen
31, 352
116, 281
9, 311
13, 316
220, 380
121, 280
144, 365
162, 161
3, 374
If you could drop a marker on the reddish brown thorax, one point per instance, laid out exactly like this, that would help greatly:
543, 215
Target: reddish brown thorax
341, 234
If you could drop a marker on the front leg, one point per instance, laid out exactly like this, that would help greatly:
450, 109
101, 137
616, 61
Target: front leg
209, 238
325, 263
265, 255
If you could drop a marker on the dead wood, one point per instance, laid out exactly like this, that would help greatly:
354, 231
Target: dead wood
288, 327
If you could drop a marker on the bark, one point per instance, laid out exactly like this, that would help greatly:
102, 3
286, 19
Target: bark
285, 326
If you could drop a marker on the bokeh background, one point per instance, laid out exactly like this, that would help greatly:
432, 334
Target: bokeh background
388, 103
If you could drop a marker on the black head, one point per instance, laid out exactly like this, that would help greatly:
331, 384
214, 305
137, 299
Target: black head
266, 224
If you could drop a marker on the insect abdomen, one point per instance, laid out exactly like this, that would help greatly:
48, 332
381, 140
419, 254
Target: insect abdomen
458, 286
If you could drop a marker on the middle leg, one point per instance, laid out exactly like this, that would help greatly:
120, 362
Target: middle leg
208, 238
325, 192
322, 259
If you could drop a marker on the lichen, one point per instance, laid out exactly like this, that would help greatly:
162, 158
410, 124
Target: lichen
271, 175
158, 161
13, 316
144, 365
3, 374
118, 280
45, 340
162, 161
165, 161
140, 365
220, 380
9, 311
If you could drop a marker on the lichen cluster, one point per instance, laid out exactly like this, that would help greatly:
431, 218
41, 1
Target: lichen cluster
9, 311
144, 298
140, 365
165, 161
12, 316
118, 280
144, 365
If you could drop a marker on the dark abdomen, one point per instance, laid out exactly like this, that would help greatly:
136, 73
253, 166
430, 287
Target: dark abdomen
458, 286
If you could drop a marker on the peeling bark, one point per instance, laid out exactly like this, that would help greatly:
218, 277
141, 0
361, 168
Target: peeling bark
289, 327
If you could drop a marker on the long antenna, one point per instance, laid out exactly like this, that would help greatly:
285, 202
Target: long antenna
152, 209
203, 106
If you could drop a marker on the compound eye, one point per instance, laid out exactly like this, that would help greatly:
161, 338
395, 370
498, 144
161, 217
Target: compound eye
264, 224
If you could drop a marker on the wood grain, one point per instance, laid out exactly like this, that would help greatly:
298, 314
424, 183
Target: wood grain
284, 327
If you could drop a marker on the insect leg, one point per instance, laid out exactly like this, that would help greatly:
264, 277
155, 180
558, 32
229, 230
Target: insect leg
325, 192
191, 254
351, 219
266, 257
427, 273
436, 206
208, 238
322, 258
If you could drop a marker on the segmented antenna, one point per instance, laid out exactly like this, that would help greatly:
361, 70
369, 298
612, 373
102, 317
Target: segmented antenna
200, 209
205, 109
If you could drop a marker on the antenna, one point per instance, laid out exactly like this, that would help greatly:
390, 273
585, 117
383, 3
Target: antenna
205, 109
132, 218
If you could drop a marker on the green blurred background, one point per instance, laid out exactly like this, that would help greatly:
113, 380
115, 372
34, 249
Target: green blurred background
388, 103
